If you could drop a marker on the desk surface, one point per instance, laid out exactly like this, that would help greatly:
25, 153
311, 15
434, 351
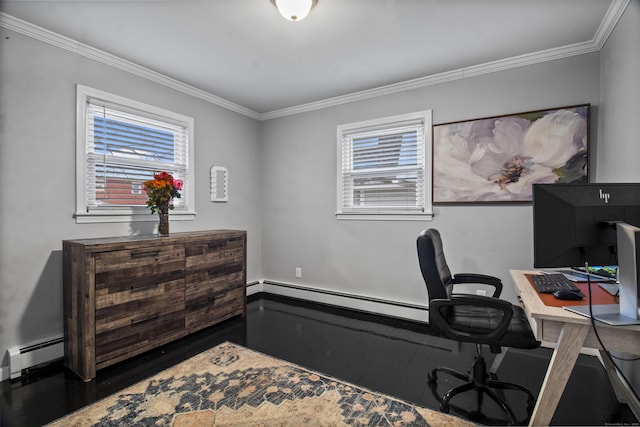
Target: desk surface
536, 308
598, 295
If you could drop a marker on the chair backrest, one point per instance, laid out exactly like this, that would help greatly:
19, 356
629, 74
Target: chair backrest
433, 264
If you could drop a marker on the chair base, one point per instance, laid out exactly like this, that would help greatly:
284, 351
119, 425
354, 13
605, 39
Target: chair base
478, 379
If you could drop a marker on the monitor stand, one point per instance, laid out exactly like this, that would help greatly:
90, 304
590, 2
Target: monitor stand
625, 313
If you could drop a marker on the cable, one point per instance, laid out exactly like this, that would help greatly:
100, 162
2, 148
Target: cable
595, 330
604, 349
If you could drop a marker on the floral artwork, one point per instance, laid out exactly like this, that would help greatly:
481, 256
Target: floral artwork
498, 159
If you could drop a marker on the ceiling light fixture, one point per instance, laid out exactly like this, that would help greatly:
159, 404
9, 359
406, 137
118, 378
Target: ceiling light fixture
294, 10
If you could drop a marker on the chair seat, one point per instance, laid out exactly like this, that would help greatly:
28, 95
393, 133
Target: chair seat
476, 320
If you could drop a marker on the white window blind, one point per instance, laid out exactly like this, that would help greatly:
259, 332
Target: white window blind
383, 166
124, 144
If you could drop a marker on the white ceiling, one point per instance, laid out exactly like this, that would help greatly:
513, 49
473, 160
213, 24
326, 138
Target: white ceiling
243, 50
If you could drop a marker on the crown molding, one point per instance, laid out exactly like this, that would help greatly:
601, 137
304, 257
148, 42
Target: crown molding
607, 25
436, 79
609, 21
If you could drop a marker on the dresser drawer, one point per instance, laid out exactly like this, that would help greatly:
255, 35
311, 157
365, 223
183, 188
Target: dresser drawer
143, 334
119, 309
144, 258
201, 288
118, 288
215, 252
207, 306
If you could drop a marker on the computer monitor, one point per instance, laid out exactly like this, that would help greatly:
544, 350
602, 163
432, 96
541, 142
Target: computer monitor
572, 223
590, 224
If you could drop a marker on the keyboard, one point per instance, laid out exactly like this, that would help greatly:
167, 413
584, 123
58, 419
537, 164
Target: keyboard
549, 283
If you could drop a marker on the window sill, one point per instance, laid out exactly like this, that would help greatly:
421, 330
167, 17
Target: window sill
361, 216
103, 217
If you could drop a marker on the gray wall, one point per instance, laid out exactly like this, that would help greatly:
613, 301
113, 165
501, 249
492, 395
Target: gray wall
37, 172
378, 258
619, 130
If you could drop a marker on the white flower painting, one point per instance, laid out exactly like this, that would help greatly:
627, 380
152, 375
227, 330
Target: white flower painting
498, 159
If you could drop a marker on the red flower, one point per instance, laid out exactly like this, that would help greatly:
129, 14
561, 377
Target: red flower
162, 175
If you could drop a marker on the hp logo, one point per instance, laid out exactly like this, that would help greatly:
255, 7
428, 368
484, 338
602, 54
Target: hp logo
604, 196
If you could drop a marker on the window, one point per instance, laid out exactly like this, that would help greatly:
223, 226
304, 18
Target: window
120, 144
384, 168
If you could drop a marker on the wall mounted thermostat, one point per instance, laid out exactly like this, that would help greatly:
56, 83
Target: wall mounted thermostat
219, 184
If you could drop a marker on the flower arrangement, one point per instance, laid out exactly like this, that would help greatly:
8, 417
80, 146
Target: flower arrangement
161, 190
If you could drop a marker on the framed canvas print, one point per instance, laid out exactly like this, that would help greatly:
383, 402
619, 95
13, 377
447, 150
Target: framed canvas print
497, 159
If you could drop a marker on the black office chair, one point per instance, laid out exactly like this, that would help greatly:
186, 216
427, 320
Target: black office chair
474, 319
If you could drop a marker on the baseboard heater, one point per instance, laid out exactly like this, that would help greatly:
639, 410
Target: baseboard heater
347, 295
33, 354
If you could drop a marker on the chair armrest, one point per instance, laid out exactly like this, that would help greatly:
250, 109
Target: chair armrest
491, 332
483, 279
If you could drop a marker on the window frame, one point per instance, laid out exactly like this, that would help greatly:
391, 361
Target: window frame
125, 213
382, 125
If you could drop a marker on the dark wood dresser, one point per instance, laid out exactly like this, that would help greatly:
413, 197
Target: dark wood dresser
126, 295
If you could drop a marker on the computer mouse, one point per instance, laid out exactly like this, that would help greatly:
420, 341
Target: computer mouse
568, 295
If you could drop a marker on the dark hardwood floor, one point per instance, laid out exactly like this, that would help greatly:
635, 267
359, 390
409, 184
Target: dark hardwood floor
386, 355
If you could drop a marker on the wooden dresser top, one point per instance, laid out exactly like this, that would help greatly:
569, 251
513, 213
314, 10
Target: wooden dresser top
123, 242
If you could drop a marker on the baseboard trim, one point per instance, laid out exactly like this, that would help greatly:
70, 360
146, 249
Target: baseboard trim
351, 301
254, 287
345, 295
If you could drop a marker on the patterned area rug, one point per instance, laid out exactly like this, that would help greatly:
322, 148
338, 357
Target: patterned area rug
230, 385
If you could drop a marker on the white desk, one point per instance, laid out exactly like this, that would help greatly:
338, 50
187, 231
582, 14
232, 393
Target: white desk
571, 332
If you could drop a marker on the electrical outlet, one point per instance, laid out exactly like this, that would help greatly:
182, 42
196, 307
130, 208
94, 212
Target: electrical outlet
298, 272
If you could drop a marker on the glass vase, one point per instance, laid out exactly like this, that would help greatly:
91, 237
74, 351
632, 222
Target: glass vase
163, 225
